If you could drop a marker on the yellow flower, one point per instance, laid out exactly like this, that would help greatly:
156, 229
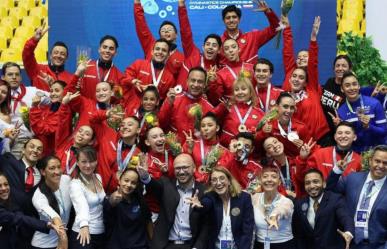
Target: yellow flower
23, 109
149, 118
134, 161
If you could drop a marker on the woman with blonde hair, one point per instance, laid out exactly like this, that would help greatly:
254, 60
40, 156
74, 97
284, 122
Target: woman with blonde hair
272, 213
230, 211
242, 113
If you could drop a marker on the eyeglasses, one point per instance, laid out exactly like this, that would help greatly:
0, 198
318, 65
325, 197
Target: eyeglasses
221, 179
167, 30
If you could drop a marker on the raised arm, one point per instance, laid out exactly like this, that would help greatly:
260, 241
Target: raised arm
185, 30
313, 81
144, 34
29, 61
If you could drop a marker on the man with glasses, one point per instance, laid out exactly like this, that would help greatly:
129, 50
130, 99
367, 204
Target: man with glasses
366, 196
187, 228
167, 31
289, 131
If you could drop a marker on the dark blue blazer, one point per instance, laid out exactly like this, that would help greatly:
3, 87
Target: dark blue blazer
331, 215
11, 222
15, 171
242, 218
351, 187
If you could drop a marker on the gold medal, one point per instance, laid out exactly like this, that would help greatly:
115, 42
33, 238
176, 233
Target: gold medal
242, 128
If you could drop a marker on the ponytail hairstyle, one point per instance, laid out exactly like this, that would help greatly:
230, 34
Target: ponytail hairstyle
46, 191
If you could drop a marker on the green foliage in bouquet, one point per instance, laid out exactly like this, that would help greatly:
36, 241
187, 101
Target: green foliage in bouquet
367, 62
365, 160
212, 159
173, 143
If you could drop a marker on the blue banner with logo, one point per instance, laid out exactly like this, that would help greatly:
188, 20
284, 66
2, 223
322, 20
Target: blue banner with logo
81, 23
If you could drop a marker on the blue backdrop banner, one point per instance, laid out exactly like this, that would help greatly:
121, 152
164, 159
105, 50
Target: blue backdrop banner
81, 23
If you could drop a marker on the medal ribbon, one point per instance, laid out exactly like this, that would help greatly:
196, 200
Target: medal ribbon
98, 75
266, 107
243, 121
156, 81
123, 164
350, 106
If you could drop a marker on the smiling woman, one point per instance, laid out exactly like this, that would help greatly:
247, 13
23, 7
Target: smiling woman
232, 223
52, 201
11, 218
272, 213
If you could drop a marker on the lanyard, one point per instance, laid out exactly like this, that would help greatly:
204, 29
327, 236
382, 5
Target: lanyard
226, 213
98, 75
123, 164
69, 170
266, 107
243, 121
268, 209
334, 157
282, 131
286, 181
350, 106
156, 81
62, 204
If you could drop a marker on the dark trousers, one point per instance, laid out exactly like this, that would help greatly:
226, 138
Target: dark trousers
173, 246
32, 247
97, 241
285, 245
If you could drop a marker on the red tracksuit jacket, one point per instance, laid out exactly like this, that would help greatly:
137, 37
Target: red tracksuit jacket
223, 86
243, 173
207, 146
141, 69
175, 117
309, 110
290, 60
192, 54
44, 124
147, 41
154, 160
90, 78
107, 161
250, 42
64, 138
290, 149
322, 159
33, 68
262, 93
231, 121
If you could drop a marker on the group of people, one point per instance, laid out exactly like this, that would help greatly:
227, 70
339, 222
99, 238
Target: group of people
192, 149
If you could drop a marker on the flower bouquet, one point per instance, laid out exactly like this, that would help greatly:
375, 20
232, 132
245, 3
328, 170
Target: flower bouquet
173, 143
134, 161
270, 115
114, 121
286, 6
150, 120
25, 115
211, 160
253, 185
365, 159
196, 112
